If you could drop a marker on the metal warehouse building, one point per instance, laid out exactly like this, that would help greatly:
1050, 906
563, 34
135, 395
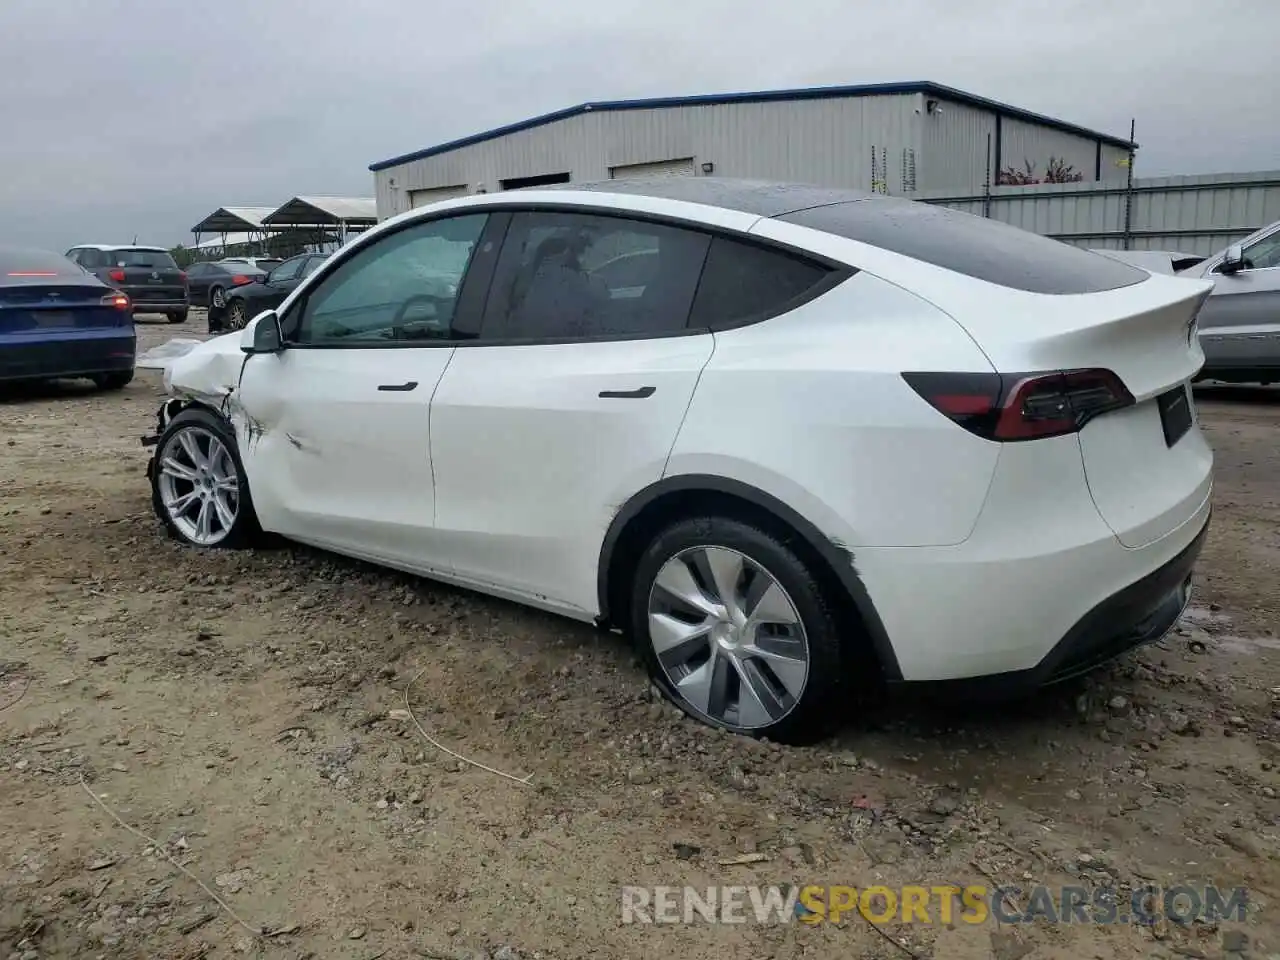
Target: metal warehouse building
893, 138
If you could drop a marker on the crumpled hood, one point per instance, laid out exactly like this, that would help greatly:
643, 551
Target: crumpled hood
208, 372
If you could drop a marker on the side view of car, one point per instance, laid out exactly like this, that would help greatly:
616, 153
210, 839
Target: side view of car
788, 439
266, 292
147, 275
209, 282
1240, 322
58, 321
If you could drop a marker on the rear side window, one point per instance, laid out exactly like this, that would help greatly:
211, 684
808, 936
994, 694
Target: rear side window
571, 276
91, 259
744, 282
141, 258
975, 246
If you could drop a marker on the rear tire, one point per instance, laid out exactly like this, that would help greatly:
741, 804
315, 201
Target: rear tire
113, 381
178, 317
198, 485
217, 298
736, 630
237, 315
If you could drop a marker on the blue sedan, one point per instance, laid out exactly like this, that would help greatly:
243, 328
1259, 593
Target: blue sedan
56, 320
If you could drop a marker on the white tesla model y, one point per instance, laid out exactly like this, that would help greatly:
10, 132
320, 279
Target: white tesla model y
778, 434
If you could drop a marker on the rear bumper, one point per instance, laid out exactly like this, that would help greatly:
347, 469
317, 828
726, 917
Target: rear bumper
1041, 590
67, 355
1141, 613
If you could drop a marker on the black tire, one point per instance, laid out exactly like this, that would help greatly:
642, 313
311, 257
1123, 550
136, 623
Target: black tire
811, 714
245, 531
237, 314
117, 380
178, 317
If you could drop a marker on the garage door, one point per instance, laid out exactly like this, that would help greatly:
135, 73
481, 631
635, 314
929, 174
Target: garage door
420, 198
663, 168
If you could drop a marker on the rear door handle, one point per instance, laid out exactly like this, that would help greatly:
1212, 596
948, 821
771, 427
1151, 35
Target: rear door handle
399, 387
637, 394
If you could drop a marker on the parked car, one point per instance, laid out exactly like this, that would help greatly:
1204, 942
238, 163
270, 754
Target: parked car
147, 275
58, 321
209, 282
811, 436
245, 302
1240, 322
262, 263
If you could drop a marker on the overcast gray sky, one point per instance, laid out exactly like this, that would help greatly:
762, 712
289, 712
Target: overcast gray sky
138, 117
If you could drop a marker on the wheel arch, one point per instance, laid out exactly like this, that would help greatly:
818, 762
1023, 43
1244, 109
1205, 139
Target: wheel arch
674, 497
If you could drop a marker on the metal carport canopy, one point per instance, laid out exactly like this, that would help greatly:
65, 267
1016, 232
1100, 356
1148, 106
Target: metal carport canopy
233, 220
324, 212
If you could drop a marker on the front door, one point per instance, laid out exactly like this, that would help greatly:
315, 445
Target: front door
567, 403
1240, 322
337, 444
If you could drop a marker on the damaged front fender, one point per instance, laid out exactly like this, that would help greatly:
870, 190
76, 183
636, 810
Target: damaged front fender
207, 374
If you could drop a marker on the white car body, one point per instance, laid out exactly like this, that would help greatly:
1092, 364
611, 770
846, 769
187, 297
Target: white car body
506, 470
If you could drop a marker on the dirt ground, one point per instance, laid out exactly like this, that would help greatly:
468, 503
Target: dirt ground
246, 712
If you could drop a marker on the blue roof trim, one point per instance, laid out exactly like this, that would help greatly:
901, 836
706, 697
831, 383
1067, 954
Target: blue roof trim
941, 91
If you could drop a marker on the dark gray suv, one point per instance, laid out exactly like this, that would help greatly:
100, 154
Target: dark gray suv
147, 275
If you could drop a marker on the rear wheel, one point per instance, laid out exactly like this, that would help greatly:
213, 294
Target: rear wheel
198, 486
736, 630
178, 317
217, 298
113, 381
237, 316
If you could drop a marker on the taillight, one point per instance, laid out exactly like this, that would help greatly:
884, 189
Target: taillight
117, 276
1022, 406
117, 300
240, 280
182, 275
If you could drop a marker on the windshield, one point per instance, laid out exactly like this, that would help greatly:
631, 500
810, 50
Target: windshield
141, 258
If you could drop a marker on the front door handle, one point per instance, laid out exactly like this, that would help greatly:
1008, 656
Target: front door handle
637, 394
399, 387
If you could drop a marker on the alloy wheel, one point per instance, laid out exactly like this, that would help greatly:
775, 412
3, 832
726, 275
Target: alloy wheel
199, 485
728, 637
218, 299
238, 318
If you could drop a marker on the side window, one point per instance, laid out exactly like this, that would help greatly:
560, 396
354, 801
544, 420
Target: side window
1264, 254
73, 256
197, 270
89, 258
310, 267
287, 270
401, 287
744, 282
577, 276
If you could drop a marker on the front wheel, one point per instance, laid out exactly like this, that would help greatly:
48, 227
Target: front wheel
736, 630
198, 486
237, 316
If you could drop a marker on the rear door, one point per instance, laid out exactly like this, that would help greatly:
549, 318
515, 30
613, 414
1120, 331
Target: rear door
567, 403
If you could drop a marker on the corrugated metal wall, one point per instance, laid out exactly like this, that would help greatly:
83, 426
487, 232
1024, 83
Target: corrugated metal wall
1191, 214
954, 148
810, 141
